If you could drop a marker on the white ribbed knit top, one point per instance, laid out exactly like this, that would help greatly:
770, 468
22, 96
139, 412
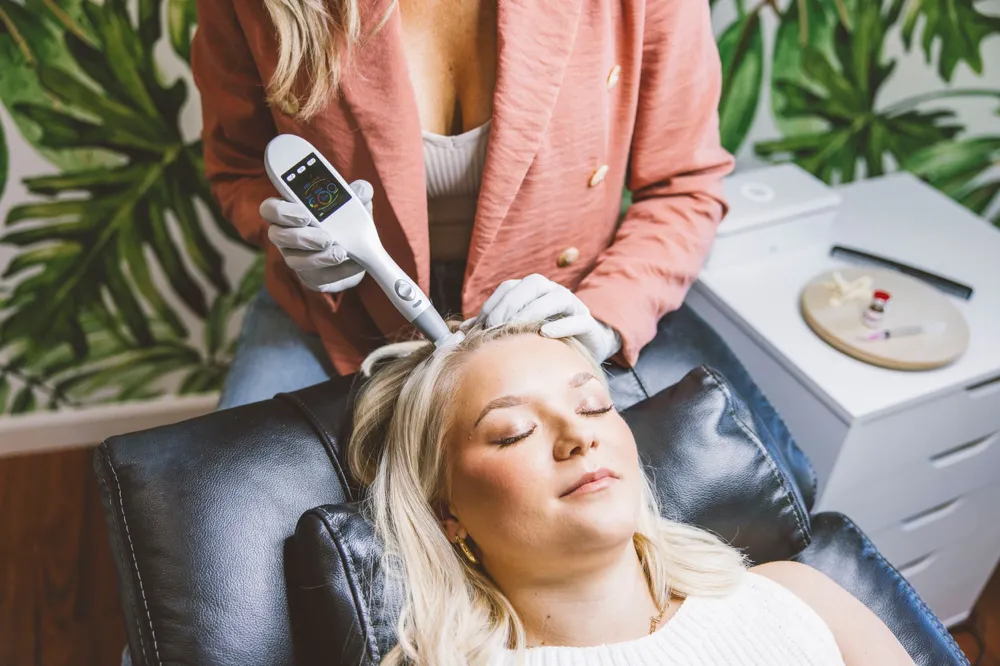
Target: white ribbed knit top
454, 167
761, 624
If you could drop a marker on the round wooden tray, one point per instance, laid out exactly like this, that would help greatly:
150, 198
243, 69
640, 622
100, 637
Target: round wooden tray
838, 320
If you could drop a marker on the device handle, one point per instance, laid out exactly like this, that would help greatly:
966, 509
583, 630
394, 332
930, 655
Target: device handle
404, 294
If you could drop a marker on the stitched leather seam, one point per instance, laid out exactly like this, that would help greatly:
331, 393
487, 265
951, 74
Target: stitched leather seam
327, 439
804, 536
135, 562
364, 619
910, 592
121, 553
642, 386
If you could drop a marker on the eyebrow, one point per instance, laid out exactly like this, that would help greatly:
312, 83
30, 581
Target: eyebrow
503, 402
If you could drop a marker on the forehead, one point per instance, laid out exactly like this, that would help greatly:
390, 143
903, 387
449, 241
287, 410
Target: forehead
518, 365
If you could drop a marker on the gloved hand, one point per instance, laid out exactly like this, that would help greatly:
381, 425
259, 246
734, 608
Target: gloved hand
320, 263
535, 298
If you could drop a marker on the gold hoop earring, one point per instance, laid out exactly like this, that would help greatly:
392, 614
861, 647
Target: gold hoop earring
464, 547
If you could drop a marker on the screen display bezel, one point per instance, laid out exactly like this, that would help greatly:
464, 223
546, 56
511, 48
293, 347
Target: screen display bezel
304, 164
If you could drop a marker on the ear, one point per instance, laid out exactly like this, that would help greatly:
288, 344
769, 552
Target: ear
450, 523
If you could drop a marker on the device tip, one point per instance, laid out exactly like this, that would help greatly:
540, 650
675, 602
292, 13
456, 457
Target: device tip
450, 339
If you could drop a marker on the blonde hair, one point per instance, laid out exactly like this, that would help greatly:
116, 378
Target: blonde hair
315, 41
452, 613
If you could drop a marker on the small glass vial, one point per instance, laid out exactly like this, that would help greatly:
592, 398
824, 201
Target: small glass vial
875, 313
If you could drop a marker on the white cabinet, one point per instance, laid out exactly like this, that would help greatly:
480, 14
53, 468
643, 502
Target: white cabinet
912, 457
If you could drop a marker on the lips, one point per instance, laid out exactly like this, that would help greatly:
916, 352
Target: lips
591, 482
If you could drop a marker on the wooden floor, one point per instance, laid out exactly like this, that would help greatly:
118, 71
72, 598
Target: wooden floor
58, 598
58, 601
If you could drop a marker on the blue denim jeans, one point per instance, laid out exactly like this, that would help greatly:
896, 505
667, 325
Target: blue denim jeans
273, 355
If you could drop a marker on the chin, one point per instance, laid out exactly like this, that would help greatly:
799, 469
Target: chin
603, 525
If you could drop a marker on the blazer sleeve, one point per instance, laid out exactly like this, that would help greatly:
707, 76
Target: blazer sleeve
676, 168
237, 122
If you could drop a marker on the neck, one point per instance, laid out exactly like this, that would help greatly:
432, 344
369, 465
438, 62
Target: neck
603, 602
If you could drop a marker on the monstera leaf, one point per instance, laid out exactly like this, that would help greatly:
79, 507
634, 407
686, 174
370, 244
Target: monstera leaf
30, 34
957, 25
118, 367
741, 48
182, 16
839, 95
89, 247
964, 170
4, 160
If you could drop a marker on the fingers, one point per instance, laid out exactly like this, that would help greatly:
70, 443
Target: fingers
285, 213
495, 298
364, 190
307, 260
299, 238
569, 327
559, 301
333, 279
516, 298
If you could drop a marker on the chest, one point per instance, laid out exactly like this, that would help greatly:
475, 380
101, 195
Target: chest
450, 48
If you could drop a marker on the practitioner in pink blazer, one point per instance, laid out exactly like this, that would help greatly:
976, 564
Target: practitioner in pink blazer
492, 141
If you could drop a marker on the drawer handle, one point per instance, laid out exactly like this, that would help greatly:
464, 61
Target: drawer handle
917, 566
927, 517
963, 452
985, 387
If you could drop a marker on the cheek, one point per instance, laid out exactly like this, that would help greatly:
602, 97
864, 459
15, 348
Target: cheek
494, 488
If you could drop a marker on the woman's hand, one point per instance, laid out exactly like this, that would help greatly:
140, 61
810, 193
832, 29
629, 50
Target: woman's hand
536, 298
320, 263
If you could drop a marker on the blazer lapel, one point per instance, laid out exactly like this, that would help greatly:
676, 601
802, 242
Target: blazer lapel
380, 96
536, 38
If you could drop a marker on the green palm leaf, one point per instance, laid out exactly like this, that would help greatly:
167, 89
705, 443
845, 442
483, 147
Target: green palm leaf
741, 48
4, 392
182, 16
964, 170
957, 25
30, 34
102, 225
4, 160
835, 98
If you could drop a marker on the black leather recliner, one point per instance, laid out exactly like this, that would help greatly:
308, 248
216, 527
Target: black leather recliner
237, 542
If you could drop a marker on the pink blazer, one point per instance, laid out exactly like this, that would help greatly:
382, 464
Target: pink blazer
590, 95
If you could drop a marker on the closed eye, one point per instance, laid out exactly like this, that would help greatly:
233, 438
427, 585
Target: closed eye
594, 412
514, 439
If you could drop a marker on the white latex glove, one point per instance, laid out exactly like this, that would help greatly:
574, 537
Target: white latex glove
320, 263
536, 298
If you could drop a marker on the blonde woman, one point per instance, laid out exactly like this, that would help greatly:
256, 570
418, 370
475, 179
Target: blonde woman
515, 513
492, 141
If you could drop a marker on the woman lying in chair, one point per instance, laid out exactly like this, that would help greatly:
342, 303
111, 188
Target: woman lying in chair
514, 509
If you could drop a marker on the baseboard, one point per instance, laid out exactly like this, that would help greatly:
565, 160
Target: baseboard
72, 428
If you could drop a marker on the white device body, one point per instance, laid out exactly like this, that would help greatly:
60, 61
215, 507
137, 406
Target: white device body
290, 157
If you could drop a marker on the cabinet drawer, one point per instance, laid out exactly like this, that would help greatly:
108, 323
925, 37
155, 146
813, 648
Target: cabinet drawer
950, 579
880, 502
892, 442
940, 526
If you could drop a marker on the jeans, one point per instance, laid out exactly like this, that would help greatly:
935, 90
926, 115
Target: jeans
274, 355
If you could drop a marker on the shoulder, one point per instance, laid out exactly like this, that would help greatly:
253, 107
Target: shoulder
862, 637
795, 576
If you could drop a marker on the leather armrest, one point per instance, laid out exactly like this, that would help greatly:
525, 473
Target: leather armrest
843, 552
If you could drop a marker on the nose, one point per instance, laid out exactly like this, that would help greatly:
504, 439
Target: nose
574, 439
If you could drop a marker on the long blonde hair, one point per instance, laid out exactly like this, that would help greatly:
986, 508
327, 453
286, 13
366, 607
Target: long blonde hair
315, 41
452, 613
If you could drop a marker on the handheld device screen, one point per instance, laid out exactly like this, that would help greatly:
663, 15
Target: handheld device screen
316, 187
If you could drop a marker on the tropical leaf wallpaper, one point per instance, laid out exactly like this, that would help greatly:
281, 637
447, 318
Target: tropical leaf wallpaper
121, 281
